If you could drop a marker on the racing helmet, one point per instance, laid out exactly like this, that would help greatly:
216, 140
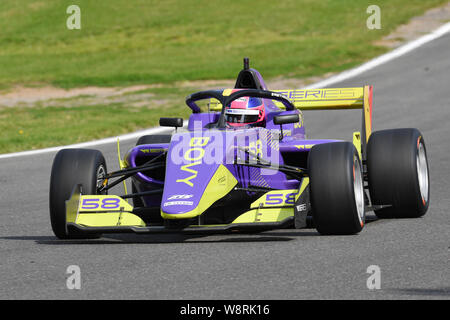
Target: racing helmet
245, 112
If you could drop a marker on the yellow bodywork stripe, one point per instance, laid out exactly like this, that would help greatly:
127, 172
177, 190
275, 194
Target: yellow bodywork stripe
121, 164
265, 215
95, 203
104, 211
367, 112
227, 92
305, 182
357, 142
279, 198
320, 99
72, 206
214, 105
109, 219
221, 183
316, 99
270, 199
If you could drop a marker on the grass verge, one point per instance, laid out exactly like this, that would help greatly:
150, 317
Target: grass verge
144, 42
40, 126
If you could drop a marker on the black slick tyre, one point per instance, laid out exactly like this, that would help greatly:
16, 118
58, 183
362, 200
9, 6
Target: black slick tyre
398, 173
71, 167
336, 189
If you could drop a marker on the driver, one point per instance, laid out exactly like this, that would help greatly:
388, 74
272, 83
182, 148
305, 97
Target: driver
245, 112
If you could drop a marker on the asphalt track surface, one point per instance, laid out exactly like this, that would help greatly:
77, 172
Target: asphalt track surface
412, 254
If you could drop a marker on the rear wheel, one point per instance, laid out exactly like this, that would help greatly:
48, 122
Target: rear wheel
398, 173
71, 167
336, 188
155, 138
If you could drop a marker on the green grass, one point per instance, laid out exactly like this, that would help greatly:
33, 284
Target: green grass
26, 128
143, 41
146, 41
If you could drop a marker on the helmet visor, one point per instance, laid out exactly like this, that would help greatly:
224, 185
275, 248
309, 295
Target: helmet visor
241, 116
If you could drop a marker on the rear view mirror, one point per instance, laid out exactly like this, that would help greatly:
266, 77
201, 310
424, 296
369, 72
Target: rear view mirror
171, 122
286, 118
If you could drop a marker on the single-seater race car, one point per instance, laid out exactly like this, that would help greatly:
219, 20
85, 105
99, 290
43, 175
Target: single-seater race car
244, 163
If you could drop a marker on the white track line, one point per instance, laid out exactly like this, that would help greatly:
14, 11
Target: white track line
125, 137
321, 84
410, 46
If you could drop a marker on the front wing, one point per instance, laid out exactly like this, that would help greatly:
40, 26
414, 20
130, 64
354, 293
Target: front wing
112, 214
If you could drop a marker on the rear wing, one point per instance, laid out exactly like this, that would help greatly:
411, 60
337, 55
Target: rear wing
334, 99
327, 99
337, 99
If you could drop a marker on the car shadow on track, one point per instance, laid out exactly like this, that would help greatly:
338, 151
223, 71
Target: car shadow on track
431, 292
233, 237
268, 236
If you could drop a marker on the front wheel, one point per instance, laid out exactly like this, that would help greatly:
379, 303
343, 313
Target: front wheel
70, 168
336, 188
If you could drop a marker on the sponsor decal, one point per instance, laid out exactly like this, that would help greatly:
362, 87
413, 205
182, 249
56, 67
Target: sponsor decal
152, 150
242, 111
317, 94
280, 199
222, 180
302, 206
195, 153
278, 95
299, 124
178, 203
304, 146
180, 196
102, 203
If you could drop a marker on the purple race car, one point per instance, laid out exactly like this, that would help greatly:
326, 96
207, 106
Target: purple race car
244, 163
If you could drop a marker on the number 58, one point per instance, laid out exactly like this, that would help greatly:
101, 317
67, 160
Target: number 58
102, 203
